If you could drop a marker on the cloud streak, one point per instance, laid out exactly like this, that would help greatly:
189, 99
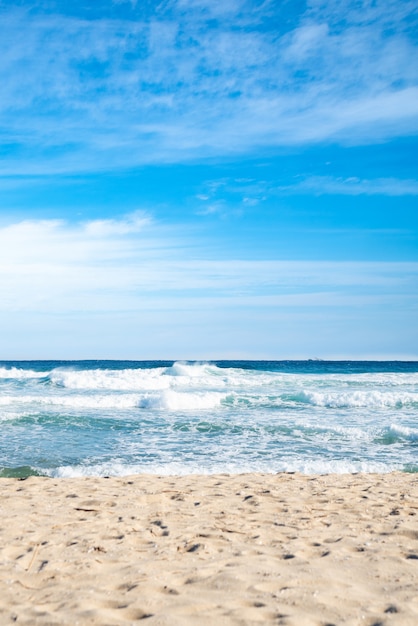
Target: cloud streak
130, 264
190, 80
353, 186
130, 287
228, 196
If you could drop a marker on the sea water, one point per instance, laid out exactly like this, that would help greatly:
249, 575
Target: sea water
103, 418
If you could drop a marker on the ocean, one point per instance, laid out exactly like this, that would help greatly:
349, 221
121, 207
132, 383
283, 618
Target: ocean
107, 418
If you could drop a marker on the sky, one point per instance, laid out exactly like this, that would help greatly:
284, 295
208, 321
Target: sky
208, 179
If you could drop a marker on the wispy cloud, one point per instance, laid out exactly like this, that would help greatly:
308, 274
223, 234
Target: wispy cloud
132, 263
194, 78
232, 196
130, 287
352, 186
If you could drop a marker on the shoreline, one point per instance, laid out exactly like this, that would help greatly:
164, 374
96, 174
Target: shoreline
285, 548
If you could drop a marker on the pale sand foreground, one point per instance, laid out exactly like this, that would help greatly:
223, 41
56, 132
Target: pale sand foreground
250, 549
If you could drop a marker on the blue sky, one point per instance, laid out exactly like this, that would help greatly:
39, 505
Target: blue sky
201, 179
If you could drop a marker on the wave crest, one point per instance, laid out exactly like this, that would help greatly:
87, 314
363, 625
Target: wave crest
357, 399
18, 373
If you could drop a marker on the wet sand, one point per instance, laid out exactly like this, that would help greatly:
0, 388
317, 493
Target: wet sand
249, 549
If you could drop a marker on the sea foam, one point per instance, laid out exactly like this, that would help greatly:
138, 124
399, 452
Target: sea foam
100, 418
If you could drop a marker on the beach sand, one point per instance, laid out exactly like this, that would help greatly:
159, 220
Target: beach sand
248, 549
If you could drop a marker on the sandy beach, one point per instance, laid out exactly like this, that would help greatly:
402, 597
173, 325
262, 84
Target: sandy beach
247, 549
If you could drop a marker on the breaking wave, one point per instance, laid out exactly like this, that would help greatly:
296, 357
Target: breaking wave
353, 399
117, 418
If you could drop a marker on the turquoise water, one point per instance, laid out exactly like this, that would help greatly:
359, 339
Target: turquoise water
75, 418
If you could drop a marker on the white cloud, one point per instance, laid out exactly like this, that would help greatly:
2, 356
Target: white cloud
131, 264
305, 41
83, 94
128, 288
110, 227
353, 186
251, 192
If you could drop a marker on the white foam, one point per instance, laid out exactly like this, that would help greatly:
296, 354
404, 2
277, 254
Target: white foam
184, 399
332, 390
404, 432
174, 468
166, 399
20, 374
175, 401
392, 379
202, 419
357, 399
127, 379
179, 376
73, 401
13, 415
190, 370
